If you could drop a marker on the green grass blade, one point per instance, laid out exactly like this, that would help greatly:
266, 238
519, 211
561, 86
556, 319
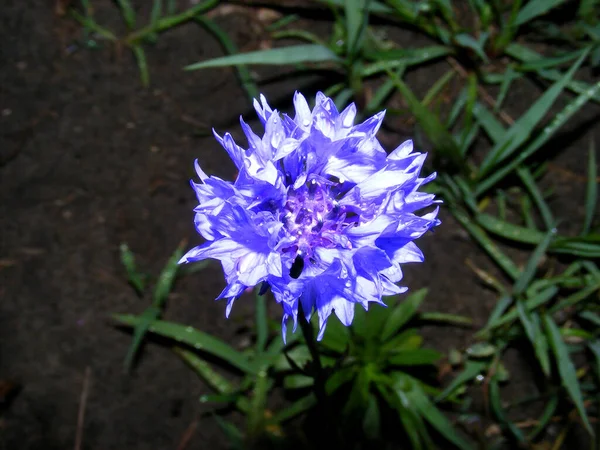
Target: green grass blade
442, 140
496, 404
382, 93
140, 58
566, 369
90, 25
262, 328
559, 120
524, 54
508, 78
402, 313
545, 418
531, 303
157, 8
435, 418
244, 74
536, 195
548, 63
258, 404
536, 8
576, 297
276, 56
145, 320
470, 371
294, 410
535, 336
508, 230
356, 17
194, 338
167, 278
594, 347
374, 6
133, 276
490, 124
232, 432
520, 131
591, 196
215, 380
467, 41
418, 357
449, 319
395, 58
503, 261
532, 264
128, 13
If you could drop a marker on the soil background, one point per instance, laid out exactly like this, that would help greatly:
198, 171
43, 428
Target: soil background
90, 159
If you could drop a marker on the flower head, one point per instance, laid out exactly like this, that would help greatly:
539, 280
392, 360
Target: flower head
319, 212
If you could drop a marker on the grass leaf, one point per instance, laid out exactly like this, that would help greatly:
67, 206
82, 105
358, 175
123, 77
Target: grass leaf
194, 338
133, 276
275, 56
566, 369
520, 131
167, 278
591, 196
535, 8
244, 75
402, 313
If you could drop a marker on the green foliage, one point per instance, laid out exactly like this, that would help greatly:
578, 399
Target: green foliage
546, 305
380, 361
135, 39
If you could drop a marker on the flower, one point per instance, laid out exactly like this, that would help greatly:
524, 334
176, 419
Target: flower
319, 213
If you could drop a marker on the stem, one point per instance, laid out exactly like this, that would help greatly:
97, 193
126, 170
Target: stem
311, 343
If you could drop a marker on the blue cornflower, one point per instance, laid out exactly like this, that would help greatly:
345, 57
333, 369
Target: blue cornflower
318, 213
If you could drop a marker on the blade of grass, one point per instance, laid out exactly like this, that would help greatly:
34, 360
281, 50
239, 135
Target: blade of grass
435, 418
591, 196
294, 410
566, 369
536, 195
536, 337
531, 267
262, 329
486, 119
530, 304
356, 18
395, 58
442, 140
216, 381
128, 13
90, 24
503, 261
145, 321
276, 56
194, 338
244, 74
545, 418
524, 54
402, 313
167, 278
520, 131
563, 116
536, 8
170, 21
133, 276
508, 77
470, 371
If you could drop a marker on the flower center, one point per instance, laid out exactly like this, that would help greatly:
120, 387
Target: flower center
313, 218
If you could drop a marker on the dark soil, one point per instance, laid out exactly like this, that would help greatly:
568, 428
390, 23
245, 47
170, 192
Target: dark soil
89, 159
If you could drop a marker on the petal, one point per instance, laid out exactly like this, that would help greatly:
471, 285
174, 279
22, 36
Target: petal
303, 115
